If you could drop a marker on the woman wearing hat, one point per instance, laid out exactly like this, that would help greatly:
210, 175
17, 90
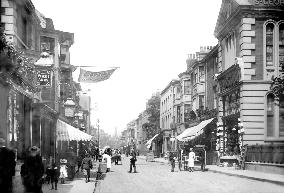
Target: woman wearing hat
63, 170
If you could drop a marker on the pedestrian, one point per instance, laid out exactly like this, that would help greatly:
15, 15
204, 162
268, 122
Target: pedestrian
107, 158
63, 170
87, 166
172, 160
48, 173
79, 163
7, 167
32, 171
202, 161
191, 158
54, 175
133, 159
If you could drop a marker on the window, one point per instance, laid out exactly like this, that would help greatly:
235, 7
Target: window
201, 74
187, 87
273, 54
201, 101
195, 76
269, 44
270, 115
274, 123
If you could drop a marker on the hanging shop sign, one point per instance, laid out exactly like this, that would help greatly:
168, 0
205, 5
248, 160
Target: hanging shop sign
44, 78
69, 112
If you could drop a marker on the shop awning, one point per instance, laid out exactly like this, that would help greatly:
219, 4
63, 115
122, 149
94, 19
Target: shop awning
148, 144
193, 132
66, 132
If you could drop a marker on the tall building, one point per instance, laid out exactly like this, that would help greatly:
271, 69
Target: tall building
250, 53
166, 116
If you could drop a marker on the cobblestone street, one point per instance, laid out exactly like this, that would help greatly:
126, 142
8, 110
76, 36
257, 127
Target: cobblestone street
153, 177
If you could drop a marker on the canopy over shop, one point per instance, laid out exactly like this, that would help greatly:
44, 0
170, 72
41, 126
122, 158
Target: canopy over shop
71, 140
193, 132
66, 132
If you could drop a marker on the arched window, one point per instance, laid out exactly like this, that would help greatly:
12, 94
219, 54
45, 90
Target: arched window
269, 37
270, 115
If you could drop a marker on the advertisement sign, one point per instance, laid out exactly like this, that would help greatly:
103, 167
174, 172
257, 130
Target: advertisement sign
44, 78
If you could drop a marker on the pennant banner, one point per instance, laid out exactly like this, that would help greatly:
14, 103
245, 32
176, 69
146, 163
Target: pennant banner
93, 77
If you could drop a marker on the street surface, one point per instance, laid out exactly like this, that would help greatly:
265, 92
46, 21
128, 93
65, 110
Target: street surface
153, 177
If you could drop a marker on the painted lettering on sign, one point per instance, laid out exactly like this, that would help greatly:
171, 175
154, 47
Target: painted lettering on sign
44, 78
269, 2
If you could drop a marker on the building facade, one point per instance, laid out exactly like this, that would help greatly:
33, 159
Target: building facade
167, 123
250, 53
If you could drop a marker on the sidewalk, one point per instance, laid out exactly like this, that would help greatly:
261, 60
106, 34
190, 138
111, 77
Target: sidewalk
77, 185
231, 171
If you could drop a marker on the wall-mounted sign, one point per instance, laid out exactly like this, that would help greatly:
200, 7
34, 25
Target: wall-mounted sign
44, 78
269, 2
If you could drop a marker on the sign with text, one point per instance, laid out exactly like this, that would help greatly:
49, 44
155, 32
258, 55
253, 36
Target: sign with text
44, 78
269, 2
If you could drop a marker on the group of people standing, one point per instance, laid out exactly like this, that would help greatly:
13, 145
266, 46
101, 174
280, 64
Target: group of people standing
190, 160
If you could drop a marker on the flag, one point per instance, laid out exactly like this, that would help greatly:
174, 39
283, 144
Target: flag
93, 77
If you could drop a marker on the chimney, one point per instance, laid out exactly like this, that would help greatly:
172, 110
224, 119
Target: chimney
190, 56
201, 48
193, 56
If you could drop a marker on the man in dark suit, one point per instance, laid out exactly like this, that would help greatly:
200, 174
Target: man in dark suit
7, 167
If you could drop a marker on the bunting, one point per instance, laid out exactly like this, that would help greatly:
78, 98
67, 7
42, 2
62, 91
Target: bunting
94, 77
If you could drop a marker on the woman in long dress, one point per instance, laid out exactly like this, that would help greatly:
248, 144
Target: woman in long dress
191, 158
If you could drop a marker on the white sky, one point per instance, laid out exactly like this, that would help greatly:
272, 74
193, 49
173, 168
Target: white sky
148, 39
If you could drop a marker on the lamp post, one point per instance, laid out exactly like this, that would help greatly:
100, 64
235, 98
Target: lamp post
98, 124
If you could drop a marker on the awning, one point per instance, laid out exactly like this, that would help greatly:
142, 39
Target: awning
193, 132
66, 132
148, 144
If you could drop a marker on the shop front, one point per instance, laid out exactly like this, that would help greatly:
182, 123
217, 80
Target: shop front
229, 131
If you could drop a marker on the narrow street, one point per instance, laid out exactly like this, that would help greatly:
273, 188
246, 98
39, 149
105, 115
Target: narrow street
153, 177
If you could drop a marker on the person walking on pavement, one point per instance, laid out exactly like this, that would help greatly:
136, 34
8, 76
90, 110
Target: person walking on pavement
87, 166
191, 158
107, 158
7, 167
202, 161
172, 159
132, 161
63, 170
54, 175
32, 171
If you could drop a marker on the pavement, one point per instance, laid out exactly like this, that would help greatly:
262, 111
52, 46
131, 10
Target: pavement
77, 185
231, 171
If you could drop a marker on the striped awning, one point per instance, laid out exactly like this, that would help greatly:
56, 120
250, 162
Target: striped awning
66, 132
193, 132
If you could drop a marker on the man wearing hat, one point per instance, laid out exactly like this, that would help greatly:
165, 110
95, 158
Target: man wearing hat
7, 167
32, 171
